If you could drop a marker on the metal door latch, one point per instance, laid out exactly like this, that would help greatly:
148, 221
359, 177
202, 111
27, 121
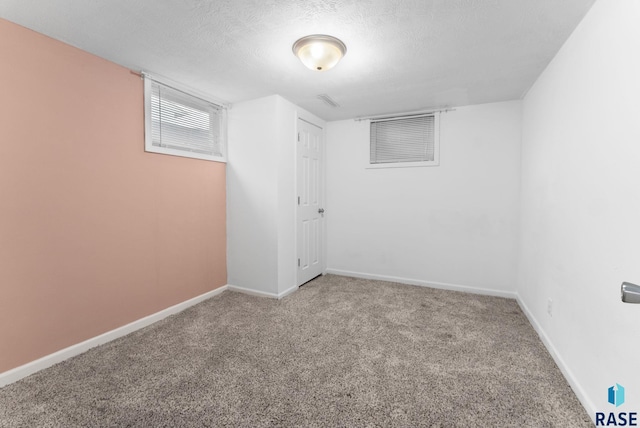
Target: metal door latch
630, 292
320, 210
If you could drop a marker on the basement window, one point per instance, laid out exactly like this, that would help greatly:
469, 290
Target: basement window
405, 141
181, 124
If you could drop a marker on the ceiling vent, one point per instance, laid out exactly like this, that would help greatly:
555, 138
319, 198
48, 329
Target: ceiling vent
328, 100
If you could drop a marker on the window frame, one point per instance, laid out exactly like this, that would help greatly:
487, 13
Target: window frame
148, 137
436, 145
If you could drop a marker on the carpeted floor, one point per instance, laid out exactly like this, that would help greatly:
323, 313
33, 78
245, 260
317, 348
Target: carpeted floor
338, 352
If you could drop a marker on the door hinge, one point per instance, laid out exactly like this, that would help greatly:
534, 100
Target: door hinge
298, 200
298, 262
298, 136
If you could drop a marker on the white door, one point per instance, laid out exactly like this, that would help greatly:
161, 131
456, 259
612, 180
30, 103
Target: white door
310, 213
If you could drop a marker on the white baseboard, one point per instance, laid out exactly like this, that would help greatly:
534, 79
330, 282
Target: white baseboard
287, 292
25, 370
562, 365
262, 293
430, 284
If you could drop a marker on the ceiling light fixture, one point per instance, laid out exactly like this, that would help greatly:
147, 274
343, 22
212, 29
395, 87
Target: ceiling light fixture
319, 52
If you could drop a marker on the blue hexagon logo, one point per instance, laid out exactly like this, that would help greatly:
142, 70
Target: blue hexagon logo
616, 395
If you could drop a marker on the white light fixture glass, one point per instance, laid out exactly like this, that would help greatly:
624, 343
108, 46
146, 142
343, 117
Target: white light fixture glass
319, 52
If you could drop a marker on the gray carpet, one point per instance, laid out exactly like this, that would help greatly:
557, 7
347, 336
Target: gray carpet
338, 352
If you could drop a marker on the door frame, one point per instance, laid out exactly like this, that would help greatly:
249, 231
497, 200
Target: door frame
311, 120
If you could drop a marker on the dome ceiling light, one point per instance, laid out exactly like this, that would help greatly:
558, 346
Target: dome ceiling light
319, 52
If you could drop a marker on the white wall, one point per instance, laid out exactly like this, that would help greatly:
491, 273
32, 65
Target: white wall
581, 206
261, 195
286, 165
453, 226
252, 196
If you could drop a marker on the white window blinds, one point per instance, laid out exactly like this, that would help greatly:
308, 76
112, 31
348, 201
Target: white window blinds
181, 124
404, 139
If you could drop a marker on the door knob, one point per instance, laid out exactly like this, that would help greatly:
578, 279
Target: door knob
320, 210
630, 292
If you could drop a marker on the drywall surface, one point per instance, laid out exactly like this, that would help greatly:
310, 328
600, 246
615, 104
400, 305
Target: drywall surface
286, 122
94, 232
252, 196
261, 182
580, 207
454, 225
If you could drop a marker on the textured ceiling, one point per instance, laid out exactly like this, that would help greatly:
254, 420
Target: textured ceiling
403, 55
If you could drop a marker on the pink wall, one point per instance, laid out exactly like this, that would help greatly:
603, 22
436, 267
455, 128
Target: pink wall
94, 232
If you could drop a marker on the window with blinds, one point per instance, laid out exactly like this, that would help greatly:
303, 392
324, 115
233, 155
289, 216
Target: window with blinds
180, 124
404, 141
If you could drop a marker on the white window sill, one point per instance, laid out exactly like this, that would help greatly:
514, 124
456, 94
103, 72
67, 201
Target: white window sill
401, 165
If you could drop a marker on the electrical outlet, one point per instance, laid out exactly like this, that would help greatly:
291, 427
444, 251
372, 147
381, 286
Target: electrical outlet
550, 307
